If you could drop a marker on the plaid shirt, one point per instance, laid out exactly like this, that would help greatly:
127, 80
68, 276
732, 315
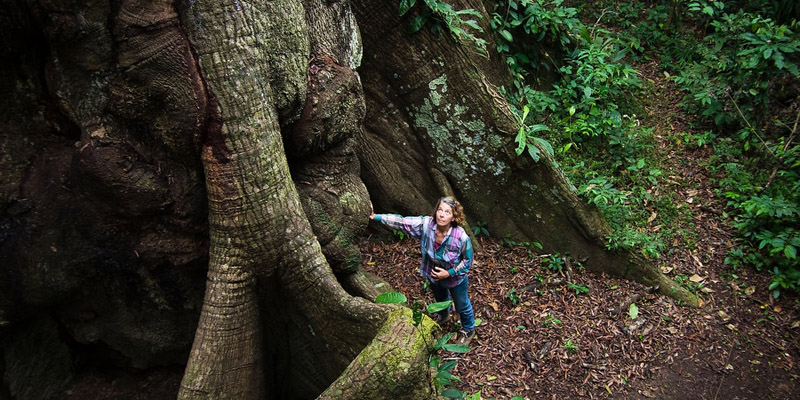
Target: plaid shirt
454, 254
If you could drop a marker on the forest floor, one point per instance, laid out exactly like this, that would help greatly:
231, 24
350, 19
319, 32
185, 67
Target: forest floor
539, 338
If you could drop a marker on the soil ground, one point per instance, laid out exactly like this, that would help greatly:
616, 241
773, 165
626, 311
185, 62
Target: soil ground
554, 343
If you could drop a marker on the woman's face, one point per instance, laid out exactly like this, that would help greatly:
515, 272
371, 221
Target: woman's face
444, 215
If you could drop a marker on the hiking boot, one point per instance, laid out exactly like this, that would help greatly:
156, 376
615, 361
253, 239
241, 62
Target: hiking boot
464, 337
439, 319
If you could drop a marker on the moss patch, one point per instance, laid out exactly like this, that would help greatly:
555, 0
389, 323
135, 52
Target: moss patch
458, 137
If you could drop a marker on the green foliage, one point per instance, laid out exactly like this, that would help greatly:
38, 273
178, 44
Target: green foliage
769, 238
554, 262
535, 24
480, 229
400, 235
391, 298
633, 311
727, 76
526, 140
699, 139
400, 298
583, 102
687, 284
626, 210
479, 396
531, 247
578, 288
732, 60
551, 321
460, 23
601, 192
736, 64
453, 394
436, 307
569, 346
586, 105
513, 296
416, 313
444, 376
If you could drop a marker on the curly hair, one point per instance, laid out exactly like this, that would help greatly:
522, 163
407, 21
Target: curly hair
458, 210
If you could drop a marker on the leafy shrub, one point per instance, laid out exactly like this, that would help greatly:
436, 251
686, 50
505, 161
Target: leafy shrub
730, 59
738, 62
460, 23
592, 78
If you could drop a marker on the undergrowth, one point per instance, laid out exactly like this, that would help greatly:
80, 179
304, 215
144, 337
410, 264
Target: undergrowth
737, 67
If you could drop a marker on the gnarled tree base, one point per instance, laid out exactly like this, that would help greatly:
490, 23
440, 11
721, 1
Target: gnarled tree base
393, 366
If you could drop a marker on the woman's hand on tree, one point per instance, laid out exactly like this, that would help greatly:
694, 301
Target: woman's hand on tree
371, 211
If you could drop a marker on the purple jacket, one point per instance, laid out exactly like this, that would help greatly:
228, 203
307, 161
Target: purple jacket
454, 254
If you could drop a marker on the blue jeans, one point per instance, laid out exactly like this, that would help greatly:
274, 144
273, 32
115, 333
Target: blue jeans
460, 300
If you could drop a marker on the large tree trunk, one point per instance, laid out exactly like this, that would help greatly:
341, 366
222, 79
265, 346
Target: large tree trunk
258, 228
153, 151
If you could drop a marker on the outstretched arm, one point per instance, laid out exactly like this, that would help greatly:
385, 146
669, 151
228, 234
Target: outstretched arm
410, 225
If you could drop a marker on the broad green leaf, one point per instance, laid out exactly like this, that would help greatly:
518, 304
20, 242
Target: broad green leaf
521, 146
442, 340
405, 5
537, 128
779, 60
790, 252
585, 34
522, 58
447, 375
633, 311
418, 22
391, 298
533, 151
436, 307
470, 11
448, 366
474, 25
456, 348
620, 55
453, 394
476, 396
441, 7
544, 143
506, 35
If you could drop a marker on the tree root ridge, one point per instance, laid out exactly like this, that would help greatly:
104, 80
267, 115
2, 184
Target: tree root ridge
393, 366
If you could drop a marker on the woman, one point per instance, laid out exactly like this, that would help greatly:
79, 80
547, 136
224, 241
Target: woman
446, 257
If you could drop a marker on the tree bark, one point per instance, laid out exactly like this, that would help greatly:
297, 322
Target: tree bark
381, 371
257, 225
